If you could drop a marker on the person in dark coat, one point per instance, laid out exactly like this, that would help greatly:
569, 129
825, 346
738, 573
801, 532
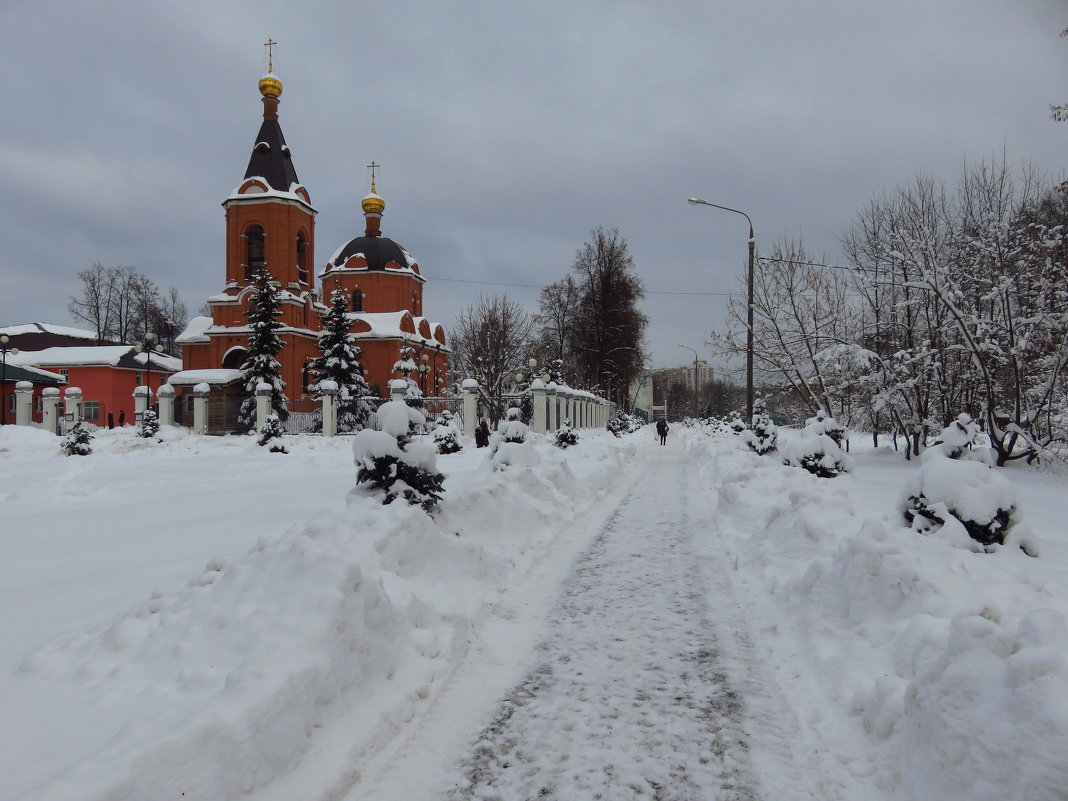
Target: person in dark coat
662, 430
482, 435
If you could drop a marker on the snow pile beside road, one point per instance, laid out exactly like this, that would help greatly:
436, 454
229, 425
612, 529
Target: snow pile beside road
954, 662
216, 689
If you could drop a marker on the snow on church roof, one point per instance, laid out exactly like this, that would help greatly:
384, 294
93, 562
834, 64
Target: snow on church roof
195, 330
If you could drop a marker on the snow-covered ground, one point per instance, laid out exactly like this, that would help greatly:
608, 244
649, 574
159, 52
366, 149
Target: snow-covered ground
199, 619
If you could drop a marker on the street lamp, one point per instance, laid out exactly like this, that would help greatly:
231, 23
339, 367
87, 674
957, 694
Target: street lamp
4, 349
148, 349
696, 201
694, 378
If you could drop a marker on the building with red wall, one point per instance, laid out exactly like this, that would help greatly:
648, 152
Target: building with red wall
270, 224
106, 375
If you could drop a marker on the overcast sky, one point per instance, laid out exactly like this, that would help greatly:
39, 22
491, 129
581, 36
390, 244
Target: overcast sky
506, 131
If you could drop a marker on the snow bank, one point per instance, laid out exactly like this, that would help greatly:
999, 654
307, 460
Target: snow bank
214, 690
952, 663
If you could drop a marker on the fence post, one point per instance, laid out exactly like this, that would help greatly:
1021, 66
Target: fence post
200, 408
50, 401
263, 403
328, 389
537, 389
141, 396
72, 408
552, 423
23, 403
470, 407
166, 404
398, 389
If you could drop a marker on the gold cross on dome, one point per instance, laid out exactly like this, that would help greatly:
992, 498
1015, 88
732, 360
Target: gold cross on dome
269, 44
373, 166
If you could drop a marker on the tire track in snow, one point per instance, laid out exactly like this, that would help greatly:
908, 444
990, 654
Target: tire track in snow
628, 698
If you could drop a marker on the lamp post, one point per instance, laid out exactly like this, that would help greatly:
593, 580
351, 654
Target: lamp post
148, 349
4, 349
696, 201
694, 377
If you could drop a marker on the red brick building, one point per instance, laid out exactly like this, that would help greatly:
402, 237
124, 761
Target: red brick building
270, 224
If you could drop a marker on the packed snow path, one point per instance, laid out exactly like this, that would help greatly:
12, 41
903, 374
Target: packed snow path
629, 697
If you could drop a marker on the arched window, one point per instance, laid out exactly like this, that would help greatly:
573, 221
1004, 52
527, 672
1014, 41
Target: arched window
357, 300
254, 253
302, 258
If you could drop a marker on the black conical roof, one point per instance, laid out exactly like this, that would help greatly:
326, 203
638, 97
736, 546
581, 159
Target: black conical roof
271, 159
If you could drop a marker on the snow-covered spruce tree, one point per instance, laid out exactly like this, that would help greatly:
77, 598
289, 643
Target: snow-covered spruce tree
271, 434
816, 452
620, 424
406, 365
339, 361
763, 437
957, 491
828, 425
446, 435
565, 435
149, 425
736, 424
78, 439
509, 444
260, 366
394, 462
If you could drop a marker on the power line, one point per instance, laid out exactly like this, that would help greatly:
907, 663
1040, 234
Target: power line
539, 286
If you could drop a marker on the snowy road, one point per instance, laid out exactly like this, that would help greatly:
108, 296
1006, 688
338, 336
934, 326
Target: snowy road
628, 698
644, 686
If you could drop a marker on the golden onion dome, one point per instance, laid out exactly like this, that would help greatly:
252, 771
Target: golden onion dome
270, 86
373, 204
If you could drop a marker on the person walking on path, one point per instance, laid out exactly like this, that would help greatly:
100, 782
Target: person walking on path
482, 435
662, 430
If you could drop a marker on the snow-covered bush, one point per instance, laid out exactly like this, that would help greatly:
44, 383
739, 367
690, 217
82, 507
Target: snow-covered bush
78, 439
623, 423
149, 425
816, 452
271, 434
736, 424
396, 463
565, 435
763, 437
826, 424
446, 436
957, 491
509, 445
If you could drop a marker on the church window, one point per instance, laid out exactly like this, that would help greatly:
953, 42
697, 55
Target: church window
357, 300
254, 251
91, 411
302, 258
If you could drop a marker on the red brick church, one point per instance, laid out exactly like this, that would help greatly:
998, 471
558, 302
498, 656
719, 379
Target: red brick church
270, 224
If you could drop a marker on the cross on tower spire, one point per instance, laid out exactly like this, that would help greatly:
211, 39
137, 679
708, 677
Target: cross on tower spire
373, 166
269, 44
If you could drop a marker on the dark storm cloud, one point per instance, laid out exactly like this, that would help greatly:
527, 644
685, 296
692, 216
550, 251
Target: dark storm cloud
506, 130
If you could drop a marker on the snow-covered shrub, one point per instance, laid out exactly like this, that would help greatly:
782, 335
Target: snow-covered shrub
446, 435
149, 425
565, 435
816, 452
509, 445
763, 437
623, 423
736, 424
957, 491
78, 439
826, 424
511, 428
395, 462
271, 434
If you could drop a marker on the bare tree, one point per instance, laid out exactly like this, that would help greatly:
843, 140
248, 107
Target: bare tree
122, 304
492, 341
